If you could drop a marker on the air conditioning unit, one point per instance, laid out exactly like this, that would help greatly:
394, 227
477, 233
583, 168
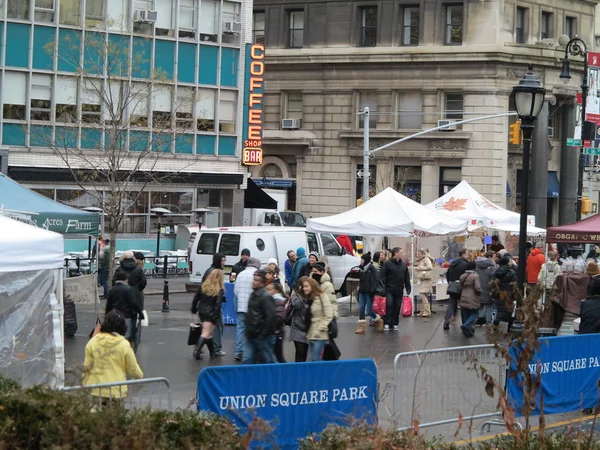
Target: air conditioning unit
291, 124
450, 122
551, 132
141, 15
230, 26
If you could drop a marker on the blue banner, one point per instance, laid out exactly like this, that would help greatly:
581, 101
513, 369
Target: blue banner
570, 370
296, 399
229, 308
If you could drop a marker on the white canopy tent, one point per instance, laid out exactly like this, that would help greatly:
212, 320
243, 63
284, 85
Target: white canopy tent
464, 202
389, 213
31, 330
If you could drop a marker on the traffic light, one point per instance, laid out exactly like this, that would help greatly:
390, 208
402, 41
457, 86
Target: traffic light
586, 205
515, 133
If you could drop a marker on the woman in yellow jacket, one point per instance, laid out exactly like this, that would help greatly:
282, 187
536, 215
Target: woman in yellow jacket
318, 318
109, 358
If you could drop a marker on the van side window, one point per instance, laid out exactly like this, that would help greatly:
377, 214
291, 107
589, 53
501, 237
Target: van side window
313, 245
230, 244
207, 244
330, 245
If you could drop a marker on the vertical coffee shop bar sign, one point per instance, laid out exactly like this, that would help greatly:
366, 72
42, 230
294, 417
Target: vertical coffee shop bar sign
253, 105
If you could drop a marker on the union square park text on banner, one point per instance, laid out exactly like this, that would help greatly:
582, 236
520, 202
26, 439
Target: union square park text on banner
570, 371
296, 399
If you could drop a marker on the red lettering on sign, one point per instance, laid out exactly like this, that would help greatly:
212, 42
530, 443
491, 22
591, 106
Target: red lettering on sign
252, 154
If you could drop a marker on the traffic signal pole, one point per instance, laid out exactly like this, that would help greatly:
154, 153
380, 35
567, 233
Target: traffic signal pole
367, 152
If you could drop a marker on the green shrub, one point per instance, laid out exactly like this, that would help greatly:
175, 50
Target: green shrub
39, 418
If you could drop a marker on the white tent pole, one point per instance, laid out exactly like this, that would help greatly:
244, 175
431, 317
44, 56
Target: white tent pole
546, 279
412, 267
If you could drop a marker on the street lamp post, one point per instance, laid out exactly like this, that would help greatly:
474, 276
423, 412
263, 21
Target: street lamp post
199, 212
576, 47
159, 212
529, 100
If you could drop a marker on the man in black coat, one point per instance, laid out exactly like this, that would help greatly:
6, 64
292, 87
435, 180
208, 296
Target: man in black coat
395, 277
122, 298
590, 310
456, 269
240, 265
260, 323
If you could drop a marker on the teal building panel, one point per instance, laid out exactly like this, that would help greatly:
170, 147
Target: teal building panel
164, 58
142, 57
93, 52
43, 47
40, 136
17, 53
69, 49
227, 145
14, 134
118, 55
229, 66
186, 62
91, 139
208, 64
65, 137
138, 141
205, 144
184, 143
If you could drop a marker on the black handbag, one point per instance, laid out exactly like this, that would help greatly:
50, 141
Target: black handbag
331, 351
289, 312
195, 332
454, 287
333, 329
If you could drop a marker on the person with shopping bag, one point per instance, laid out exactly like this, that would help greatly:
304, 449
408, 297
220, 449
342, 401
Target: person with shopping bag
368, 277
207, 304
396, 279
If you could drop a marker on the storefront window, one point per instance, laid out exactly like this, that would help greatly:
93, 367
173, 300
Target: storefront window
176, 202
49, 193
76, 198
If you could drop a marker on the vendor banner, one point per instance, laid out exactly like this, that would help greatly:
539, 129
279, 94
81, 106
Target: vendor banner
80, 290
296, 399
569, 367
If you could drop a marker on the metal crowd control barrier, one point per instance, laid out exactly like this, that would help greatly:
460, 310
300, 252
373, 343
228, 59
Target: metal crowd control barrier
440, 387
140, 393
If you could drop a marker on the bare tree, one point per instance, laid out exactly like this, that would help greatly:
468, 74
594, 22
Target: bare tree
399, 177
128, 120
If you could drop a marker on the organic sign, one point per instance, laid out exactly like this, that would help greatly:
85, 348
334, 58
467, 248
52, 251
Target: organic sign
253, 105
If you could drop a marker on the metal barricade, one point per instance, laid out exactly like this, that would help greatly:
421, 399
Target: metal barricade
140, 393
442, 386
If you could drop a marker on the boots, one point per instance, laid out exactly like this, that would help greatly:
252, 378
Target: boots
211, 348
362, 325
379, 322
198, 348
426, 311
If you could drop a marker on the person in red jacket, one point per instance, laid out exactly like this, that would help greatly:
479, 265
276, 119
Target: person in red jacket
346, 243
535, 261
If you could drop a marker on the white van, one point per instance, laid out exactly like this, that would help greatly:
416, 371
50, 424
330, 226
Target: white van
265, 243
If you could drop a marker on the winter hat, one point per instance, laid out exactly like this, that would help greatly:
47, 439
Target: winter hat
315, 254
471, 265
366, 258
245, 252
505, 261
272, 261
503, 253
320, 266
254, 262
592, 269
300, 252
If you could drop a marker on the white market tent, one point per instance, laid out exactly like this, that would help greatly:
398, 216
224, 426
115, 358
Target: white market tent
31, 331
389, 213
464, 202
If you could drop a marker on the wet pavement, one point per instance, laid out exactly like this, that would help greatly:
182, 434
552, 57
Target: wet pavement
163, 351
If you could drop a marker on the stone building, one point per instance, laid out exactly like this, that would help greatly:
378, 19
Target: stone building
413, 64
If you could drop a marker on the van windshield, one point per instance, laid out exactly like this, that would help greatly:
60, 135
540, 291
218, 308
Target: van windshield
207, 244
292, 219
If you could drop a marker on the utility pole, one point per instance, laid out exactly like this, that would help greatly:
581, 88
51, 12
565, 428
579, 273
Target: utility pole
366, 155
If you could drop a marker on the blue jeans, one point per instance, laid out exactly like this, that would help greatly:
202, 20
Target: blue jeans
240, 333
103, 279
469, 317
315, 349
263, 347
129, 332
365, 301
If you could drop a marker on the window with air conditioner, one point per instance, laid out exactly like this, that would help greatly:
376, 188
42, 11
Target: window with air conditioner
293, 106
232, 26
227, 111
367, 100
453, 106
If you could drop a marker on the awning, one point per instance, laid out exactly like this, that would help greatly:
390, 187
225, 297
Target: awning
255, 197
508, 191
553, 185
273, 183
